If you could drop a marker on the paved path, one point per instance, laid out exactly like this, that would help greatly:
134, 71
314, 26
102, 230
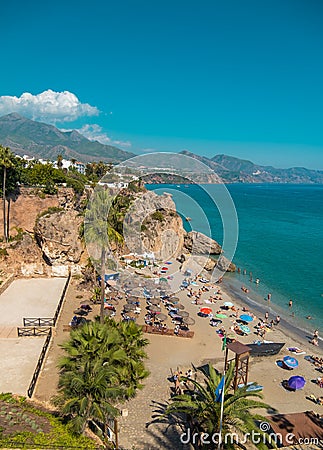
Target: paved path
19, 355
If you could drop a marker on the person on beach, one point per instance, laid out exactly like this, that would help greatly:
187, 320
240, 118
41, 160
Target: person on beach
266, 316
316, 334
269, 297
277, 320
290, 304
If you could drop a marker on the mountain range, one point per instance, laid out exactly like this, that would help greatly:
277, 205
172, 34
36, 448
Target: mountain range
40, 140
25, 136
236, 170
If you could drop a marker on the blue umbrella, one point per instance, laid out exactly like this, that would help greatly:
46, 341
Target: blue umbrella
290, 362
296, 382
244, 329
246, 318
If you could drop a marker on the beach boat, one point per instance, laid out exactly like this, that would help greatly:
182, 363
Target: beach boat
252, 387
265, 348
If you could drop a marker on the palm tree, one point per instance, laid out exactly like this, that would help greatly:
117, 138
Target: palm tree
95, 373
6, 162
59, 161
198, 408
133, 372
98, 231
95, 232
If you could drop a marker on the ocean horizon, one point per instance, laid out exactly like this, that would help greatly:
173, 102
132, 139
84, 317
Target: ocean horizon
280, 242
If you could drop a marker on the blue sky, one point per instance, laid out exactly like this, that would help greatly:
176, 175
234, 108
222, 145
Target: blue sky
242, 78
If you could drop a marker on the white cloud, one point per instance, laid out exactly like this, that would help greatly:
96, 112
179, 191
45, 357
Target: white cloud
48, 106
94, 132
122, 143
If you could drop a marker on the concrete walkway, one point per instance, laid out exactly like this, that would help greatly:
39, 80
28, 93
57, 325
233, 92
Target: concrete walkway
36, 297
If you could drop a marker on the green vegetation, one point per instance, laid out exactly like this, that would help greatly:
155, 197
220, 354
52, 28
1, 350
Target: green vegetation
198, 409
49, 211
22, 425
3, 252
158, 215
103, 365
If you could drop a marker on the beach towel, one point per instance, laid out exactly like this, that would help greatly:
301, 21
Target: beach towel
296, 350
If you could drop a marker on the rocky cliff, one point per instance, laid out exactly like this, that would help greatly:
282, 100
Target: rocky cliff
48, 241
57, 235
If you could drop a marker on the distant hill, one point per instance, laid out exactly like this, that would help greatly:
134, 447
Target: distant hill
25, 136
235, 170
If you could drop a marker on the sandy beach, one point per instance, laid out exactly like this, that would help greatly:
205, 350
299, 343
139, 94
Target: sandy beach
170, 353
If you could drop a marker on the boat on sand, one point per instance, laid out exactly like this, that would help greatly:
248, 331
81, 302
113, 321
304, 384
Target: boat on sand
265, 348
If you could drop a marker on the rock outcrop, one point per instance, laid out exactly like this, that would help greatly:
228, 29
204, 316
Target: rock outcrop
58, 237
153, 225
200, 244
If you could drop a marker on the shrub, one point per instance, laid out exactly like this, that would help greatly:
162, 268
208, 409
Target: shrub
158, 215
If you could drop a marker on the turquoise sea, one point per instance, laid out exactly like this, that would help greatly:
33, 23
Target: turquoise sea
280, 241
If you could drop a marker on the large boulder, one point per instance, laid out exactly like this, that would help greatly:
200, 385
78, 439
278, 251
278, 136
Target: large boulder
153, 225
200, 244
58, 237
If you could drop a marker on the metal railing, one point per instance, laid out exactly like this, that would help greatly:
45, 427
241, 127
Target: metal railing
38, 322
59, 306
33, 331
39, 364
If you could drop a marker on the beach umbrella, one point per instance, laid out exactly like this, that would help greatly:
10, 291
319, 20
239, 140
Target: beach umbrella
244, 329
132, 299
290, 362
164, 268
246, 318
154, 301
228, 304
80, 312
86, 302
108, 312
179, 306
162, 317
112, 301
163, 279
296, 382
183, 313
137, 292
221, 316
188, 321
129, 307
206, 310
154, 308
